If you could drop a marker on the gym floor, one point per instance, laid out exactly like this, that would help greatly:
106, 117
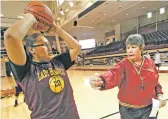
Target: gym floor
91, 104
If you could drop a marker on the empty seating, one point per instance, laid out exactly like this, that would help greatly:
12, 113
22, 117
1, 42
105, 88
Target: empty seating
152, 40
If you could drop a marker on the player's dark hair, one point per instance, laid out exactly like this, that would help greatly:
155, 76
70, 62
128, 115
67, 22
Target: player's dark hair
29, 41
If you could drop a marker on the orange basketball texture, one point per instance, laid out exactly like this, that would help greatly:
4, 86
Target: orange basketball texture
42, 13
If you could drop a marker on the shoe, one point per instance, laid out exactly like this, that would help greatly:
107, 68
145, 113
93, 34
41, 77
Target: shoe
16, 103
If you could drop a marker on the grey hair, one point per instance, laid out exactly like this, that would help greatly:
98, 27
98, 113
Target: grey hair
29, 40
135, 39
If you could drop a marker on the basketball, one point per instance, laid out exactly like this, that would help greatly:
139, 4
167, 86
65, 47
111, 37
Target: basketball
42, 13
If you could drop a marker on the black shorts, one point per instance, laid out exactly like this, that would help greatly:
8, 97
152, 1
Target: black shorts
158, 65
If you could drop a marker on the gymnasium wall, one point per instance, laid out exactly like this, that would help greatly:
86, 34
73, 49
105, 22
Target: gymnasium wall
145, 25
129, 25
143, 21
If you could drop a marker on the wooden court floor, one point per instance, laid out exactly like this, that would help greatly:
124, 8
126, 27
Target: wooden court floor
91, 104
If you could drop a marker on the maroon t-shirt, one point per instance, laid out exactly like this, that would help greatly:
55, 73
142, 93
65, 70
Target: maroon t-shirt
48, 92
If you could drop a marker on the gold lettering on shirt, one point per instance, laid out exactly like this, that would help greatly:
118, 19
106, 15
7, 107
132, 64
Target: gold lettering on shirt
50, 72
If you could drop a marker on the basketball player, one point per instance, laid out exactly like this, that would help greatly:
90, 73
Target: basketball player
157, 59
48, 92
8, 74
137, 80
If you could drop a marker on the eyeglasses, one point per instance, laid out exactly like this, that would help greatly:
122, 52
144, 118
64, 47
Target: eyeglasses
45, 44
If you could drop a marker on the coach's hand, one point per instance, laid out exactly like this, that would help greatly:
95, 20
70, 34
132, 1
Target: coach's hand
96, 82
162, 100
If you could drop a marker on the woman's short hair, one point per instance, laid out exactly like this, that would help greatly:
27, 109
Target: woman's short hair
135, 39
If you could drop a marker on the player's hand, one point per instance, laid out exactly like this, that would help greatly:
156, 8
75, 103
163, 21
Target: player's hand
162, 100
96, 82
55, 27
31, 16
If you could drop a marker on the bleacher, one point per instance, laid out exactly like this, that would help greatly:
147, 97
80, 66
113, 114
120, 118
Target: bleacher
157, 37
116, 46
153, 40
3, 53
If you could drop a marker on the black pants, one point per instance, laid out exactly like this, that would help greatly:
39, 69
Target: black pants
135, 113
18, 90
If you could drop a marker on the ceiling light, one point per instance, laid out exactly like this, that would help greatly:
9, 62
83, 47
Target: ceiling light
60, 2
92, 20
71, 4
162, 10
149, 15
66, 10
2, 15
127, 14
104, 13
20, 17
143, 7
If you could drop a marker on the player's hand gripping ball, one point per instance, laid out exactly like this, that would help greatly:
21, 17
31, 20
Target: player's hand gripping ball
42, 13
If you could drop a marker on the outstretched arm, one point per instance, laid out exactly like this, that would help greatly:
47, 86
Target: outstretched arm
112, 77
108, 79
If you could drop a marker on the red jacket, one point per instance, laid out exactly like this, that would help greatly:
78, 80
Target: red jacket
130, 84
